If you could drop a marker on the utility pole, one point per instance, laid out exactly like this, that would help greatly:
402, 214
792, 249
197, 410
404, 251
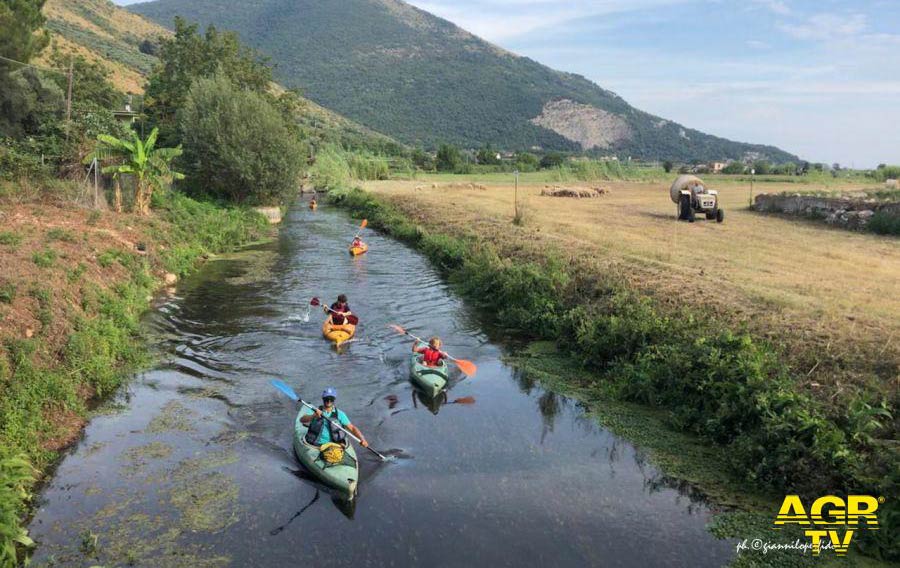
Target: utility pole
516, 195
752, 175
69, 95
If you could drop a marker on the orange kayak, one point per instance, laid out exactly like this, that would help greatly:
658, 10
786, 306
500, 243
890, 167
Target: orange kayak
338, 333
362, 249
313, 205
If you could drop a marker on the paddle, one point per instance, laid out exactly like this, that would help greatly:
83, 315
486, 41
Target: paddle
283, 387
351, 319
467, 367
363, 225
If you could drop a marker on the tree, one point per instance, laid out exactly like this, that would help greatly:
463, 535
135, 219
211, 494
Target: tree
526, 162
90, 84
236, 144
488, 156
188, 56
667, 166
21, 36
733, 168
552, 160
422, 160
449, 158
762, 167
148, 165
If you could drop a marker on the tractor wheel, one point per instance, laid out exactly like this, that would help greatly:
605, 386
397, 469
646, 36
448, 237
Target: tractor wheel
711, 214
720, 215
685, 213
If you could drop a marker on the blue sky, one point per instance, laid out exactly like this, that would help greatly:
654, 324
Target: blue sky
817, 78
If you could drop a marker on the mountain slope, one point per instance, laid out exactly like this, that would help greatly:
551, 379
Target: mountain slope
407, 73
107, 34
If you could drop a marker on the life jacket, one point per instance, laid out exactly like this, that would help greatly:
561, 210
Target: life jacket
315, 428
431, 356
338, 319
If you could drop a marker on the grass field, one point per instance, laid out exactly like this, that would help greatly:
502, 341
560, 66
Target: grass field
829, 297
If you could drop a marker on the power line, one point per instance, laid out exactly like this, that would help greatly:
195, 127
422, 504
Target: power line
50, 69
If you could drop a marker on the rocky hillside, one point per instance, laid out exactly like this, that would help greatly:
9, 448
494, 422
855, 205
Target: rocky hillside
423, 80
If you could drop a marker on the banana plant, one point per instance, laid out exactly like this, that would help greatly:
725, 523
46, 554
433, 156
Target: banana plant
142, 160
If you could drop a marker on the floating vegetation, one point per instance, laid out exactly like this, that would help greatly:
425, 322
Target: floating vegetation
172, 416
207, 502
138, 457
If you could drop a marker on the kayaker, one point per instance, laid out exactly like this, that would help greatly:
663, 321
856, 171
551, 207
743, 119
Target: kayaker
357, 242
339, 310
323, 432
432, 356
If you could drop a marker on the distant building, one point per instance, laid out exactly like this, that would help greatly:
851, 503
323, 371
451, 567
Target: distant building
716, 167
126, 113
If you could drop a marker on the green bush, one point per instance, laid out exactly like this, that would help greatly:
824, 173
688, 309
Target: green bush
7, 292
44, 258
58, 234
236, 145
884, 223
10, 238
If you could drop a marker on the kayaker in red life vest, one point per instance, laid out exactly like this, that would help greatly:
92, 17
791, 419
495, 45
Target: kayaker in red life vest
432, 355
339, 310
357, 242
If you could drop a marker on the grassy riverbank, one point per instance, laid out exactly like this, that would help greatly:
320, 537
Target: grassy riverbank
73, 284
713, 379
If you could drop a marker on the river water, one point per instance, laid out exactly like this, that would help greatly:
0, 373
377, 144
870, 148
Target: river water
192, 465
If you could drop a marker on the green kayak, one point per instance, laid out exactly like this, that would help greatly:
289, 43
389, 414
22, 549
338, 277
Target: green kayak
343, 476
431, 380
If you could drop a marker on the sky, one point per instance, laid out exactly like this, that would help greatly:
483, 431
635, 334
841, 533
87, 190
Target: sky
818, 78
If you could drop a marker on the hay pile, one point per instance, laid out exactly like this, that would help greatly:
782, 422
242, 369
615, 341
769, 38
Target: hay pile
576, 192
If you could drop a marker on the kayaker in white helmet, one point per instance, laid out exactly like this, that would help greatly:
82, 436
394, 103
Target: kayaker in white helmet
321, 431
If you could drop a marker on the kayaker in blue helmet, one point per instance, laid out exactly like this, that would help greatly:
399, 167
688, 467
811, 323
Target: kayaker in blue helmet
321, 431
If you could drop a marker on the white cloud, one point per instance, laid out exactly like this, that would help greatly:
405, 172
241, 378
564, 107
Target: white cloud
824, 26
775, 6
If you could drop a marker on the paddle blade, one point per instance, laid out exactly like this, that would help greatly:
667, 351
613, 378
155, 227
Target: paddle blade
364, 224
464, 400
467, 367
315, 302
397, 328
285, 388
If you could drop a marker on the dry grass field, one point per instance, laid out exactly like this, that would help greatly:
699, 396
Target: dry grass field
832, 297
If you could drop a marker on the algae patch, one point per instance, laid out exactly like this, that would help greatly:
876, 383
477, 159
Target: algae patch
172, 416
207, 502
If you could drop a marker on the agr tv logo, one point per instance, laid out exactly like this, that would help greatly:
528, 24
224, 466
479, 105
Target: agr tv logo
826, 515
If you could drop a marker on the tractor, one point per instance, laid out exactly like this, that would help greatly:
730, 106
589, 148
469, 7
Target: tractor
693, 198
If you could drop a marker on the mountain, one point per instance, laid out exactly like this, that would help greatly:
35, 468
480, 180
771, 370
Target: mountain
124, 42
423, 80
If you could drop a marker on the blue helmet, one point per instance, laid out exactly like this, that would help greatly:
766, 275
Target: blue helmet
329, 393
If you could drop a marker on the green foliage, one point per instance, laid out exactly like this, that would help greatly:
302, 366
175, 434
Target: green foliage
526, 162
10, 238
733, 168
189, 56
236, 146
667, 166
16, 478
552, 160
884, 223
487, 156
142, 160
21, 33
7, 292
60, 234
44, 258
90, 81
430, 84
449, 158
885, 172
330, 170
29, 100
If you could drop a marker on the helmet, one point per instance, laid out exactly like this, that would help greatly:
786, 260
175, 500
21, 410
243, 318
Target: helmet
330, 392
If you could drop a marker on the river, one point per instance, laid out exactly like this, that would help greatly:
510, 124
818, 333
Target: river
192, 463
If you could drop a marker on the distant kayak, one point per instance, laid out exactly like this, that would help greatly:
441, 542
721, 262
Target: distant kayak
338, 333
313, 205
343, 476
361, 249
431, 380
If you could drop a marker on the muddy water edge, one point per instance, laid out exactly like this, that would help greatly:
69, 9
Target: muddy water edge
192, 464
